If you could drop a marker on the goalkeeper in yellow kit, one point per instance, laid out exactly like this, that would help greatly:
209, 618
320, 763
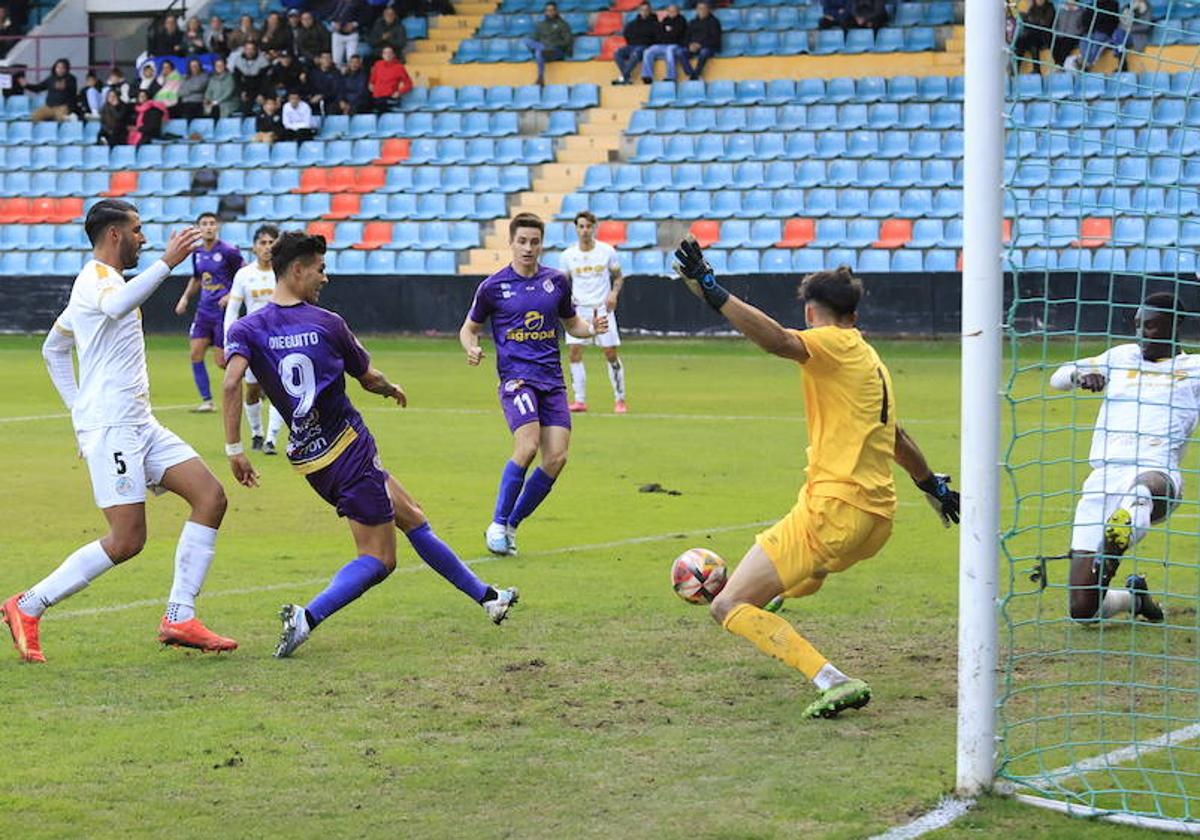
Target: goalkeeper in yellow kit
845, 508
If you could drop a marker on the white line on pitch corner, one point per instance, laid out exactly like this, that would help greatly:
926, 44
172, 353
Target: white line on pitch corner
62, 415
572, 549
947, 811
1117, 756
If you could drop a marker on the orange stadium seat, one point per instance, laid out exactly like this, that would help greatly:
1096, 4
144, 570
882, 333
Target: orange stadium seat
706, 233
375, 235
612, 233
121, 183
321, 229
797, 233
368, 179
625, 5
894, 233
607, 23
340, 179
609, 47
1093, 233
343, 206
314, 179
394, 150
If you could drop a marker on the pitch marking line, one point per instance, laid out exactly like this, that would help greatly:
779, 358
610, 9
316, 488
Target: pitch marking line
946, 812
62, 615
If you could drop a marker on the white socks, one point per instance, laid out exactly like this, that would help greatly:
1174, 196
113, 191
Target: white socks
579, 381
1140, 505
254, 415
616, 375
193, 556
75, 573
828, 677
275, 423
1116, 601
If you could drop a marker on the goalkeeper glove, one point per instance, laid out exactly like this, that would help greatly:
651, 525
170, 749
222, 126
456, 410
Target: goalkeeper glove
941, 498
698, 274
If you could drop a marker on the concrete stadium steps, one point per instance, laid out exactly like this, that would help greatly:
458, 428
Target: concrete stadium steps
426, 59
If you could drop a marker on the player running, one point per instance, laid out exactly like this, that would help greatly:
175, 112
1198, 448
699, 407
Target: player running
213, 265
596, 284
845, 508
1151, 407
125, 448
253, 285
299, 353
526, 301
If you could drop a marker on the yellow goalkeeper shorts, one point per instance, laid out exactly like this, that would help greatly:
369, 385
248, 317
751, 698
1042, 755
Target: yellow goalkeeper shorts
822, 535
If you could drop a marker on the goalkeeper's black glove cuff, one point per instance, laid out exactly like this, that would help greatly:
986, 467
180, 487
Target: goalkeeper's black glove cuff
715, 295
930, 485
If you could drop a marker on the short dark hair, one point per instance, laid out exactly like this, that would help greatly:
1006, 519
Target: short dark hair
104, 214
526, 220
1166, 302
294, 245
838, 290
266, 230
585, 214
207, 214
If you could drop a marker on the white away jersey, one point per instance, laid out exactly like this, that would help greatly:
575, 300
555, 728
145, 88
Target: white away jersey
252, 286
590, 272
1150, 409
114, 388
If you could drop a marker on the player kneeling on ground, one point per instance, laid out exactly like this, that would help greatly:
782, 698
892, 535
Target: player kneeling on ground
1151, 408
845, 508
300, 353
125, 448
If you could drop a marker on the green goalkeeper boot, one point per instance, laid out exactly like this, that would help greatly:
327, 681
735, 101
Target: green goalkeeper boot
852, 694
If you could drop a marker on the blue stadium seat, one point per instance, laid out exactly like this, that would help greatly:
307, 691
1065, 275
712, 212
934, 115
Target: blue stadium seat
410, 262
781, 173
14, 263
441, 262
662, 205
698, 204
640, 235
941, 260
840, 91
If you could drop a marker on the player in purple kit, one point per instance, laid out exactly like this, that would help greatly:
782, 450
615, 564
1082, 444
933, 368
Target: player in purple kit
213, 265
526, 301
300, 354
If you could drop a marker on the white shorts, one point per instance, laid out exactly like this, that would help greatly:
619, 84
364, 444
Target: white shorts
609, 339
125, 460
1101, 494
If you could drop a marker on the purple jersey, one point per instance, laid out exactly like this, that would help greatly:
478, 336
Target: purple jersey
214, 268
525, 313
299, 354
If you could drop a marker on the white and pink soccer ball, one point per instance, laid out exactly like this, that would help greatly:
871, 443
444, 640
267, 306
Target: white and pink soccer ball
698, 575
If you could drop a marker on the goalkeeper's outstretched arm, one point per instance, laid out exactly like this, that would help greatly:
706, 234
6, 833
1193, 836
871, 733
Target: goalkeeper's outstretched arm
935, 486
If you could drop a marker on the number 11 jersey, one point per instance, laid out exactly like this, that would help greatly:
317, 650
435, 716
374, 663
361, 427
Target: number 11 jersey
299, 354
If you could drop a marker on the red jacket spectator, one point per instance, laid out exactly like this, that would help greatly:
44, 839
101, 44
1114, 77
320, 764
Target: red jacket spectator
389, 79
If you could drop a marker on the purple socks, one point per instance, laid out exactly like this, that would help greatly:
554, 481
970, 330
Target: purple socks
536, 489
511, 481
200, 374
351, 581
442, 559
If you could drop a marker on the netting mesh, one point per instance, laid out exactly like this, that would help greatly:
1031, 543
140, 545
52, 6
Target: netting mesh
1102, 209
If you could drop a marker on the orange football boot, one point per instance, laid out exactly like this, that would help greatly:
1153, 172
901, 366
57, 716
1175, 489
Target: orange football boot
24, 629
192, 634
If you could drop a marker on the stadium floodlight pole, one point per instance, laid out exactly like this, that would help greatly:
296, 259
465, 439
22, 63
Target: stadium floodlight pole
982, 315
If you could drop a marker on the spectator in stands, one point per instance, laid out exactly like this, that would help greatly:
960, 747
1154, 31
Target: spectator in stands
703, 41
835, 14
148, 79
149, 117
388, 31
551, 40
191, 92
193, 37
12, 82
8, 32
642, 31
276, 36
1034, 31
869, 14
389, 81
216, 37
311, 39
356, 87
91, 98
672, 37
293, 24
1070, 21
245, 32
250, 68
170, 82
60, 90
285, 74
298, 122
114, 120
324, 86
344, 21
1106, 32
1137, 19
116, 81
268, 126
221, 95
166, 38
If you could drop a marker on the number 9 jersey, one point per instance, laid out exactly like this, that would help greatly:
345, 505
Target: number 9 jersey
299, 354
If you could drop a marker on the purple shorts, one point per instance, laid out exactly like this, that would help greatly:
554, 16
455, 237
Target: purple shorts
210, 326
356, 484
525, 402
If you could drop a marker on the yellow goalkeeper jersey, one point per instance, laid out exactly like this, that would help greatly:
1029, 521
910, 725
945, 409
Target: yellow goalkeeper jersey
851, 411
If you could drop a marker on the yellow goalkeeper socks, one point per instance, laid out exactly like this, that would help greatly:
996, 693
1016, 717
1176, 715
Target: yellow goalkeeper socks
775, 637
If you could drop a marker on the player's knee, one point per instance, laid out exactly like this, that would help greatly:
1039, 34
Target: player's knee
523, 454
125, 544
553, 462
1083, 605
212, 503
409, 516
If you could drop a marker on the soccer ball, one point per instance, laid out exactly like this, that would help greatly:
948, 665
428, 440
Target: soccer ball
698, 575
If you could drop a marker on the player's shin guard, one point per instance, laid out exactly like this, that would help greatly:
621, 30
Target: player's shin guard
254, 417
351, 581
536, 489
200, 374
274, 423
511, 481
76, 572
579, 381
775, 637
442, 559
616, 377
1139, 501
193, 556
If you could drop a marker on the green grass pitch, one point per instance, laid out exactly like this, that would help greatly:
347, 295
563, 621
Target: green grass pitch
604, 707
